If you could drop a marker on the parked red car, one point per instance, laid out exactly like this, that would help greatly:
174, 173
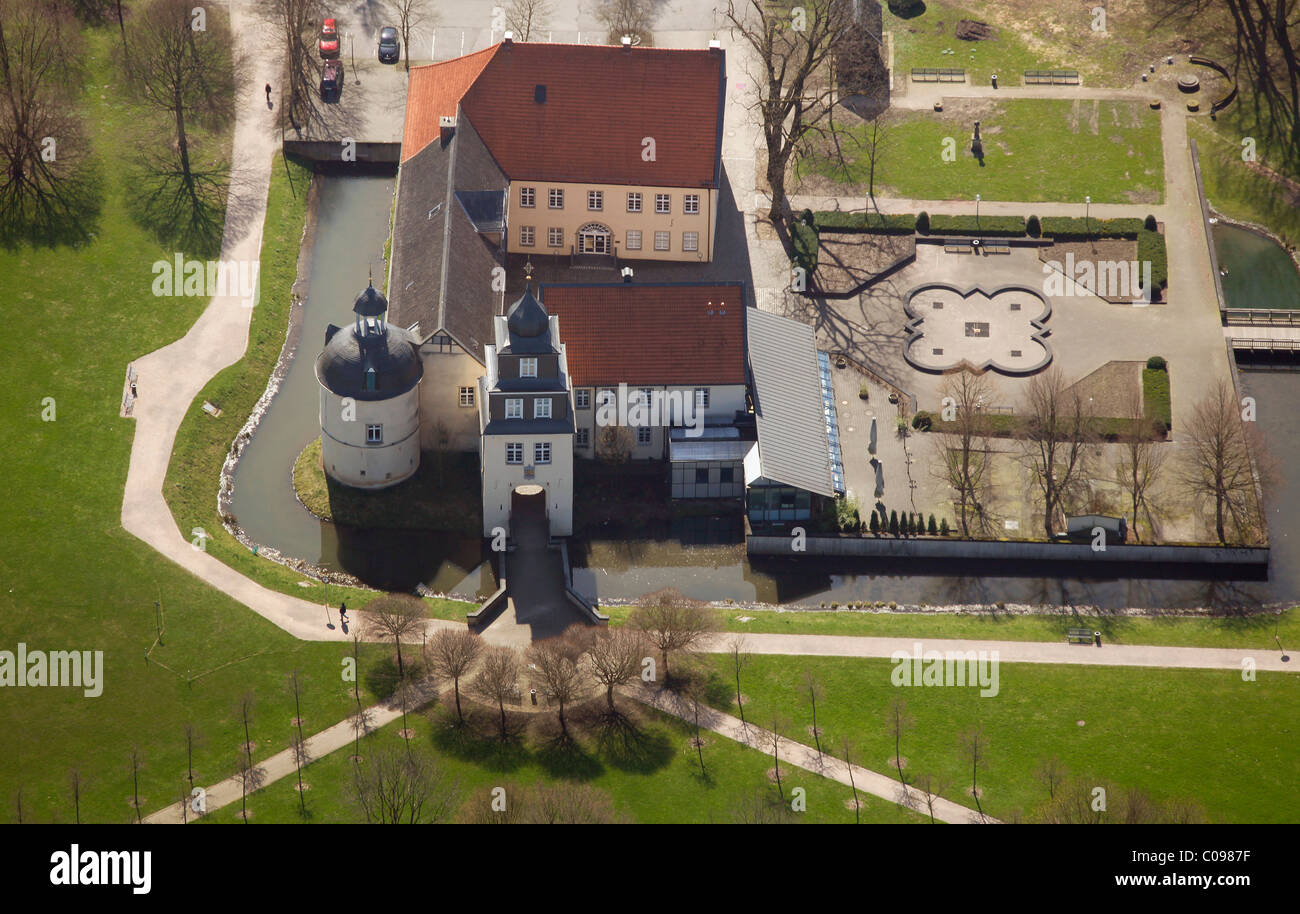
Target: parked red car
329, 39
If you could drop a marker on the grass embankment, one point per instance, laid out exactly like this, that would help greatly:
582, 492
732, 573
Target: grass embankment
1245, 191
1034, 150
74, 579
657, 781
442, 495
1199, 734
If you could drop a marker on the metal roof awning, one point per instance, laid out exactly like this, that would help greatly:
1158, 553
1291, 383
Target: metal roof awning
723, 450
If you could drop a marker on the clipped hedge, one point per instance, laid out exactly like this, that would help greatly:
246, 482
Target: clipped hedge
1151, 246
1155, 395
804, 240
987, 226
884, 223
1074, 227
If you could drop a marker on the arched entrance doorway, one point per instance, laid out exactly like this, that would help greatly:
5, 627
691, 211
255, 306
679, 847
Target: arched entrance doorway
528, 513
594, 238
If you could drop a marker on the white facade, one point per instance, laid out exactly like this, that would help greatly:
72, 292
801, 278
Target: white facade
370, 444
501, 478
723, 402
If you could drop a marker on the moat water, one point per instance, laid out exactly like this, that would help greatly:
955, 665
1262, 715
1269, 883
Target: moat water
702, 557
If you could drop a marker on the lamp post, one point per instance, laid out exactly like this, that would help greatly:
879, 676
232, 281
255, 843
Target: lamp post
1087, 212
977, 210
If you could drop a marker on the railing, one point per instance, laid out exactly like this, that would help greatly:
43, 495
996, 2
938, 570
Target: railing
938, 75
1268, 317
1266, 345
1051, 77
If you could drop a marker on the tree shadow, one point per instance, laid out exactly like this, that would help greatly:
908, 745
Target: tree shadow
185, 209
479, 742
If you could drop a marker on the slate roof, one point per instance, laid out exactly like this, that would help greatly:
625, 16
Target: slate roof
792, 443
392, 359
601, 102
688, 334
432, 230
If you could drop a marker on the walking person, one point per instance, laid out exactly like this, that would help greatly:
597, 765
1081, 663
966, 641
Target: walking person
268, 95
343, 613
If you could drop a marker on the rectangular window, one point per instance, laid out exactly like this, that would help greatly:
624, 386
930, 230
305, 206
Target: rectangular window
542, 408
646, 395
701, 398
554, 237
633, 201
605, 398
374, 434
528, 197
633, 240
582, 437
643, 434
727, 475
663, 203
701, 476
467, 396
690, 241
556, 198
443, 342
515, 408
526, 235
691, 204
582, 398
661, 241
542, 452
528, 368
595, 199
514, 452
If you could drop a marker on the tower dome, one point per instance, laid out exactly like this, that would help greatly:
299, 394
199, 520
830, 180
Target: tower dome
370, 303
374, 366
527, 317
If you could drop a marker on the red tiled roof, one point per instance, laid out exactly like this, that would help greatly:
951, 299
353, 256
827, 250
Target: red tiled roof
651, 334
435, 90
601, 102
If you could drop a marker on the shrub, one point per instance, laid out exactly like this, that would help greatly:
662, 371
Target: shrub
1157, 363
1150, 223
922, 421
1151, 247
901, 424
893, 523
873, 222
905, 8
875, 523
923, 223
863, 391
1033, 227
1155, 398
933, 527
943, 527
1075, 227
905, 524
803, 238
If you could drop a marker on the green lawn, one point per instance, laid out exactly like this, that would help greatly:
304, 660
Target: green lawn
1239, 190
658, 783
1199, 734
928, 41
1034, 150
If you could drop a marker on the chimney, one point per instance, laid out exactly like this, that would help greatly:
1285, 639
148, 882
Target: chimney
627, 42
447, 128
508, 39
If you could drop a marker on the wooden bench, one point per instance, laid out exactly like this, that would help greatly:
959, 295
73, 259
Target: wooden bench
995, 247
1080, 636
958, 247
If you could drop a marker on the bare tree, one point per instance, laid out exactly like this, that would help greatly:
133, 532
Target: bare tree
1050, 773
634, 18
1058, 431
1217, 466
814, 691
49, 191
186, 76
899, 722
523, 17
566, 803
795, 91
301, 757
410, 15
931, 790
297, 22
74, 786
451, 654
967, 465
395, 616
136, 761
1139, 462
555, 673
246, 707
360, 720
498, 679
759, 807
974, 746
847, 752
776, 736
192, 738
672, 622
398, 788
615, 657
614, 444
736, 651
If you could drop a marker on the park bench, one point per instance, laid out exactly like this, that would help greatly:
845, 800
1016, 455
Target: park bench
1080, 636
1051, 77
995, 247
957, 247
938, 75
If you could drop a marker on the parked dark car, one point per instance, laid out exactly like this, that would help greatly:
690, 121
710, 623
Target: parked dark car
331, 80
329, 40
389, 47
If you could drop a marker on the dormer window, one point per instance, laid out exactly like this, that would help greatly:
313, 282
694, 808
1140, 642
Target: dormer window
528, 368
515, 408
542, 408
